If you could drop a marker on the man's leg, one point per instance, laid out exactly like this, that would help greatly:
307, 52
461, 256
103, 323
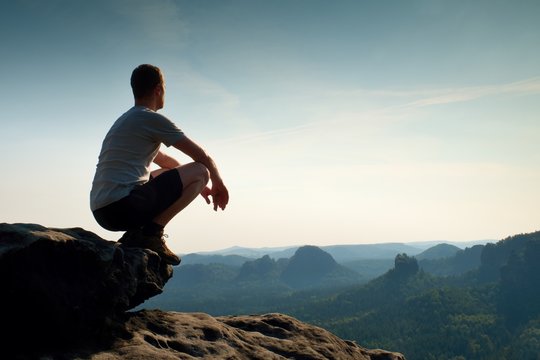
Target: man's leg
194, 178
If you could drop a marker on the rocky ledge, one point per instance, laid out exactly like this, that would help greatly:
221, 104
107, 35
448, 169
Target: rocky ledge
65, 295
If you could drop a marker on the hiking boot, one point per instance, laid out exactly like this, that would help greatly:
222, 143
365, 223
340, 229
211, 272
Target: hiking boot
131, 238
157, 244
154, 242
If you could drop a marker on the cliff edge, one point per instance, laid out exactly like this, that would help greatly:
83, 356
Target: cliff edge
66, 292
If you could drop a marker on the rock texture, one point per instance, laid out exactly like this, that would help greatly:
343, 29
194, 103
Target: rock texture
168, 335
65, 292
61, 285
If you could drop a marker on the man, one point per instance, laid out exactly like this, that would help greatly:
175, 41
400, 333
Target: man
126, 195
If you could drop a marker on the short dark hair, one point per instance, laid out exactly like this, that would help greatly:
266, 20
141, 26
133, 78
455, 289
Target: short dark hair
144, 80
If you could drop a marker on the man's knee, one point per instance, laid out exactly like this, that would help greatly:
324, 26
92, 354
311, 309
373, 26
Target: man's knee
204, 173
194, 172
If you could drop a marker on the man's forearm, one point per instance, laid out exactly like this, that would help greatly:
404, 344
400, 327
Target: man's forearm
164, 161
207, 161
198, 154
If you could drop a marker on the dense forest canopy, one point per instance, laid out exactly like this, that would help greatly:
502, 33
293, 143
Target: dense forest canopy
482, 302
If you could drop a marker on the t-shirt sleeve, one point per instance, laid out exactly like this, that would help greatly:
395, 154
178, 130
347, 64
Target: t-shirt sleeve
163, 130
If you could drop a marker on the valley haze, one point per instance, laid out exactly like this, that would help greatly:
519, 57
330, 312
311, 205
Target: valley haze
343, 251
442, 303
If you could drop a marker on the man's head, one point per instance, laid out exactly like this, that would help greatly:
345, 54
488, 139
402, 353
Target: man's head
147, 83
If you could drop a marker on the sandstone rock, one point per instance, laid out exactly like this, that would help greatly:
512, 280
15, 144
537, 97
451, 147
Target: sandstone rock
63, 284
64, 295
169, 335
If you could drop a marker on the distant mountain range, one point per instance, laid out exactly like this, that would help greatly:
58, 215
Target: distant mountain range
340, 253
219, 285
442, 301
489, 312
202, 281
367, 260
309, 266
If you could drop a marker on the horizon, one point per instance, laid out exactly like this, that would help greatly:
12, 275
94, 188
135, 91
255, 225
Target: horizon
331, 123
428, 243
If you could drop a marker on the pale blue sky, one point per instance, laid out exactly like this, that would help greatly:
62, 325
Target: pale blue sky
332, 121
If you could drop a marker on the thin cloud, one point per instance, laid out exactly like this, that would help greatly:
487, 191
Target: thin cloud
349, 121
421, 97
530, 86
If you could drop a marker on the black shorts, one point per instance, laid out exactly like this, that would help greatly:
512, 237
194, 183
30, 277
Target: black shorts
142, 204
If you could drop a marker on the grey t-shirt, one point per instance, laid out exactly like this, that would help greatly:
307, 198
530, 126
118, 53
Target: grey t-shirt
129, 148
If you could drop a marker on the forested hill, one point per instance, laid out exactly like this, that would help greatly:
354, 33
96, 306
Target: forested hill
459, 263
486, 304
310, 266
438, 251
490, 313
496, 256
256, 286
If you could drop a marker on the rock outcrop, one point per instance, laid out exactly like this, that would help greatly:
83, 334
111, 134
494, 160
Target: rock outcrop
65, 292
169, 335
64, 285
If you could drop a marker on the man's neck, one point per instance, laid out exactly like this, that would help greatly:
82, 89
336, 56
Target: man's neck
150, 103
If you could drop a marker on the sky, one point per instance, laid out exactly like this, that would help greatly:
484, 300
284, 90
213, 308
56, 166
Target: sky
332, 122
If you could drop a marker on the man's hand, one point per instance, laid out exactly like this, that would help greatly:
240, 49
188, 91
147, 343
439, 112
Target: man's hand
206, 194
218, 191
219, 194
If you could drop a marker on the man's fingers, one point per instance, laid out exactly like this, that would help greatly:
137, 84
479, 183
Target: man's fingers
219, 201
206, 198
206, 193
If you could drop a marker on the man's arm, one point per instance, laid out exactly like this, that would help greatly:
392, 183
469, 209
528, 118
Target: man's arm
219, 192
164, 161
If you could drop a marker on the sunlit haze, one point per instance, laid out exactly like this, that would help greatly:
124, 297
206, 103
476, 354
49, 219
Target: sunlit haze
332, 122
